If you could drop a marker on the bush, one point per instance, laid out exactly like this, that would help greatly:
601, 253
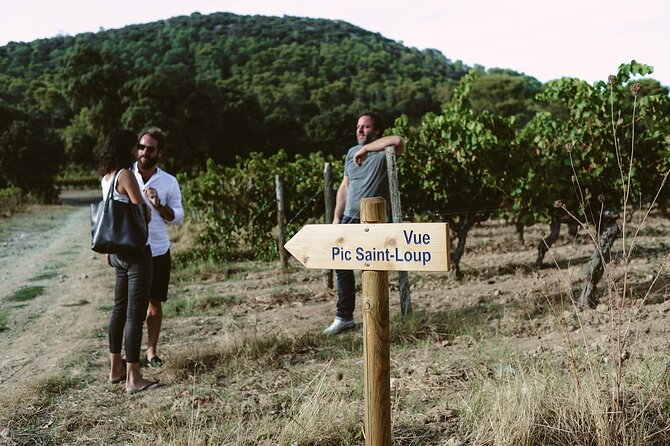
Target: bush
11, 200
237, 205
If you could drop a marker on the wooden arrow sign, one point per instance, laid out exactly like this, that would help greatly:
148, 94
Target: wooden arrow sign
376, 247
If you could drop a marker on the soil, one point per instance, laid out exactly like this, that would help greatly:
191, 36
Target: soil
49, 247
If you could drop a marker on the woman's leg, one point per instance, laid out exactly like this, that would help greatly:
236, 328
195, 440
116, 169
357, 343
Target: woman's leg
139, 285
118, 320
117, 372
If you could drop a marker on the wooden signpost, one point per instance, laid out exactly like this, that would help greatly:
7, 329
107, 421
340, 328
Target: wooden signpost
375, 248
381, 247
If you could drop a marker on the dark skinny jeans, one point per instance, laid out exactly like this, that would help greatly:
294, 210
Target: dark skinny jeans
346, 284
131, 300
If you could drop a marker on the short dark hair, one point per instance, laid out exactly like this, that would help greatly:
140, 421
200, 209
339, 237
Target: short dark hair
377, 121
156, 134
117, 152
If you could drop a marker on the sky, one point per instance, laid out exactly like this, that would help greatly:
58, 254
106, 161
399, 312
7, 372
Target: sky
587, 39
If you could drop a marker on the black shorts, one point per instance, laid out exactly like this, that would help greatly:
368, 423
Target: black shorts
161, 277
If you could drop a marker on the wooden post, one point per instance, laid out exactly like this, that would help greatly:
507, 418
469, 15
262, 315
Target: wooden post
396, 215
376, 340
330, 207
281, 222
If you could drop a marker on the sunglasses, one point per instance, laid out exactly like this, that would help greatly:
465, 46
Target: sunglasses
149, 149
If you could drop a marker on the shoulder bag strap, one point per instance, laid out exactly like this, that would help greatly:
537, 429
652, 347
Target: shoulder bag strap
112, 186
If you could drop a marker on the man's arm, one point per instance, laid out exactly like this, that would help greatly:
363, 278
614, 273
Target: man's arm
171, 210
340, 200
378, 145
174, 204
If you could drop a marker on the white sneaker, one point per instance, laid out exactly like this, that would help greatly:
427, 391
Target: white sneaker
338, 326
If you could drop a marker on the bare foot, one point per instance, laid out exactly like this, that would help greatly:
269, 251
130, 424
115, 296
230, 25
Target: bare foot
116, 377
117, 372
141, 386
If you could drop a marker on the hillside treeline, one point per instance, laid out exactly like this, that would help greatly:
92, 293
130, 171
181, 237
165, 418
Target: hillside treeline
222, 85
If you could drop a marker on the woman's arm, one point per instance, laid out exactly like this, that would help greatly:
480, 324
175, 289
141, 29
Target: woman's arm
127, 185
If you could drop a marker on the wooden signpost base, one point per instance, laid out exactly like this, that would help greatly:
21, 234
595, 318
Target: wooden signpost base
375, 247
376, 340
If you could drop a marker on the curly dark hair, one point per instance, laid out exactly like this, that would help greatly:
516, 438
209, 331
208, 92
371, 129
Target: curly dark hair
117, 151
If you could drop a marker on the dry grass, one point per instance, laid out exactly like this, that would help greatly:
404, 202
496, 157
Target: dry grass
478, 363
527, 405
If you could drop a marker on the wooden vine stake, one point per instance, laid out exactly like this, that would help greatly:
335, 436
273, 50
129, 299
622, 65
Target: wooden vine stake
329, 198
281, 222
396, 216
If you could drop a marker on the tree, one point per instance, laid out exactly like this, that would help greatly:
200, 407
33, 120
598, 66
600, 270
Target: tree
30, 158
92, 80
506, 94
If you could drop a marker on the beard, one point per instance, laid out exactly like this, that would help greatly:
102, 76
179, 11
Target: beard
366, 138
147, 163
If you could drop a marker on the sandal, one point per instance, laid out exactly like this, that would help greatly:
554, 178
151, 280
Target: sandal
153, 362
118, 380
148, 386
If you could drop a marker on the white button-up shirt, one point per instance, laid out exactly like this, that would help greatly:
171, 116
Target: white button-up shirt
170, 195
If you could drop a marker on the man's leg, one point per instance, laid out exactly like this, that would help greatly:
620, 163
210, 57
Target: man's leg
346, 300
154, 323
346, 295
154, 319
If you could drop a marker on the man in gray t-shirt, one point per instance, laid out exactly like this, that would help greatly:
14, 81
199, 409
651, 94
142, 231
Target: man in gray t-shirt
365, 176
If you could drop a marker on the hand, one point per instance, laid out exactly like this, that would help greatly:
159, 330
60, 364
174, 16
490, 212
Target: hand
152, 195
360, 156
108, 260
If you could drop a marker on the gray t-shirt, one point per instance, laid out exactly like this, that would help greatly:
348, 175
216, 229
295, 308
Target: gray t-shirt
368, 180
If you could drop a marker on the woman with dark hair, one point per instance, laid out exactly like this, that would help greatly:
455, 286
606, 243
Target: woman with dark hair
133, 272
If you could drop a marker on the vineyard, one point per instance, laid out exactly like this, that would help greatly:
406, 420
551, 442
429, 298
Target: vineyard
604, 153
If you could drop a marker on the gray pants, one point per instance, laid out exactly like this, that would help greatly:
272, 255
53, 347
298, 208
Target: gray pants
131, 300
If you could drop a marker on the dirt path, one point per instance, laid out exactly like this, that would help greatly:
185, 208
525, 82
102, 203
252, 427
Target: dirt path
48, 247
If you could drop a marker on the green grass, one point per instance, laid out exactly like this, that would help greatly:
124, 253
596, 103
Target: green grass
106, 308
55, 266
440, 326
26, 293
4, 316
79, 303
50, 271
202, 305
44, 276
209, 269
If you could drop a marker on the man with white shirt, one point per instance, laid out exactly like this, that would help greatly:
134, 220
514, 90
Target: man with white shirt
162, 194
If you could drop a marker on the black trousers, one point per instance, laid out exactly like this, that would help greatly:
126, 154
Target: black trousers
131, 300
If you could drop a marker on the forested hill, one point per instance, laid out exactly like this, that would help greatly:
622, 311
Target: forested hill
221, 85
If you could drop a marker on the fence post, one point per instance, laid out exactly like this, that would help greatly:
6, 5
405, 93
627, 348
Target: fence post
396, 215
376, 340
330, 205
281, 222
